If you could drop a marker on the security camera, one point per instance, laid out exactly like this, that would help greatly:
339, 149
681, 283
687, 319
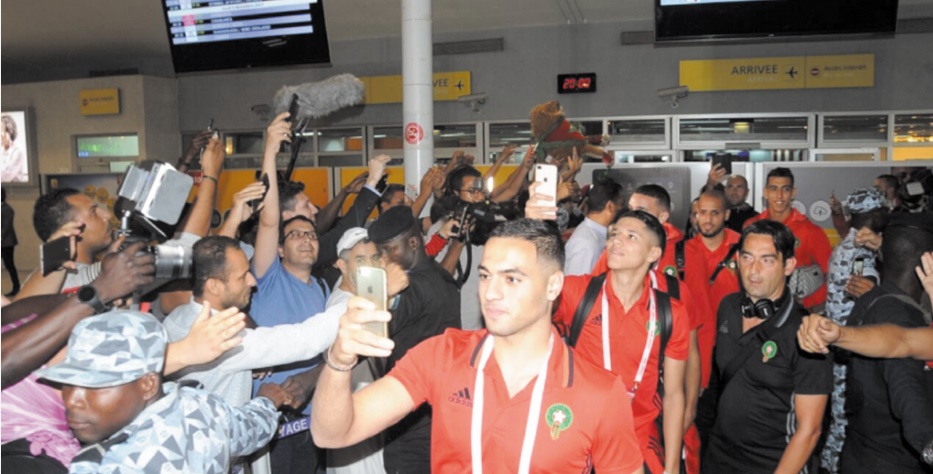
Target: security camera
674, 93
679, 92
475, 100
467, 99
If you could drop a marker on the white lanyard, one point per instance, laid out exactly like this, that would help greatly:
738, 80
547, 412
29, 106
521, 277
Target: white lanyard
531, 425
649, 343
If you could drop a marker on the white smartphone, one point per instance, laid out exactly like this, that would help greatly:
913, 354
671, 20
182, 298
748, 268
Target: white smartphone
371, 284
546, 177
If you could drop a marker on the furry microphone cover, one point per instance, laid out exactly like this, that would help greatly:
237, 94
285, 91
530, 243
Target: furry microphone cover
317, 99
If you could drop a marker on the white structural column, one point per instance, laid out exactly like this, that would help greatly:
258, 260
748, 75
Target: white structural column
417, 90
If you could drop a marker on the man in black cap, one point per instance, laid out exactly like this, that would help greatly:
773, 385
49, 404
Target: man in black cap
429, 305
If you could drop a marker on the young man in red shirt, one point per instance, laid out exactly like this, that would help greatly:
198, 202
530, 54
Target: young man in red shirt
811, 244
615, 335
511, 397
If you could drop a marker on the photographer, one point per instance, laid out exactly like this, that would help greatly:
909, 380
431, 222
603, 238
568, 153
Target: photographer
477, 214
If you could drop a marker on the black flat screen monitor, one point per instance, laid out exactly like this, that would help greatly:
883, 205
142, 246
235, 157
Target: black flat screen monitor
240, 34
705, 20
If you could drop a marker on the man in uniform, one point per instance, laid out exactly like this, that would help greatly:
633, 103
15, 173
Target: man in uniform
771, 396
620, 316
512, 396
852, 272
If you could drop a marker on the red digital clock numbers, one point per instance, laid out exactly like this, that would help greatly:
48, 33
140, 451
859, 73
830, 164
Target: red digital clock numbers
575, 83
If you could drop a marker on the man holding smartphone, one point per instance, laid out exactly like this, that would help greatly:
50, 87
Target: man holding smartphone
429, 306
510, 395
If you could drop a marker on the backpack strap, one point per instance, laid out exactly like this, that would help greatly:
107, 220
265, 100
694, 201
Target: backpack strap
927, 316
723, 263
666, 320
583, 309
680, 259
673, 286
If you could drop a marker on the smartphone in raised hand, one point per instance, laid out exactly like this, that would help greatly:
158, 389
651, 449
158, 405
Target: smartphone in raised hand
546, 177
371, 285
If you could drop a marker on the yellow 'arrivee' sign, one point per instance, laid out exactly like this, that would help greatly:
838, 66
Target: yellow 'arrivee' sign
795, 72
388, 89
100, 101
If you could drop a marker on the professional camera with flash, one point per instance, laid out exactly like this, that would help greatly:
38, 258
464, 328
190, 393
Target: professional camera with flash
150, 194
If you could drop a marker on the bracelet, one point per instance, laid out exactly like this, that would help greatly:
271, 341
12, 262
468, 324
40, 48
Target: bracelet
207, 176
329, 361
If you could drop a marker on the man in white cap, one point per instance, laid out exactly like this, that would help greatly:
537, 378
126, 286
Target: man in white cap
129, 420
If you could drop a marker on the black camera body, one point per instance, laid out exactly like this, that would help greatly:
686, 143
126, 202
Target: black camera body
476, 220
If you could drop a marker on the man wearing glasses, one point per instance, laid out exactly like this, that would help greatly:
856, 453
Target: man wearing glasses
286, 292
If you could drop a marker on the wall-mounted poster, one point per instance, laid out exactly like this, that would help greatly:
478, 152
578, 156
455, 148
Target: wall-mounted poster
14, 147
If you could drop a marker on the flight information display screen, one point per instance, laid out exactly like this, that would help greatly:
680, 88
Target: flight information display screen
229, 34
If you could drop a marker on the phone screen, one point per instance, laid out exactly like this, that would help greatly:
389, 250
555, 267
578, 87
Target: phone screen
371, 284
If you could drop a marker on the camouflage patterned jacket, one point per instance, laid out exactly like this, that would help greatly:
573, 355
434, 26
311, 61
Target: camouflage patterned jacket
186, 431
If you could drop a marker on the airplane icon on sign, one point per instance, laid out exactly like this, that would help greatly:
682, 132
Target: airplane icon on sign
792, 72
459, 85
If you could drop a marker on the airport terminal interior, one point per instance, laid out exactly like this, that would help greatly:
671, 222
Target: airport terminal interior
109, 96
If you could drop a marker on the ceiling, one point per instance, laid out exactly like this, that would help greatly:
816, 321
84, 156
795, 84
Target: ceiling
54, 39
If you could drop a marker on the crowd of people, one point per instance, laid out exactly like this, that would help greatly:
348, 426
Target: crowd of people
526, 332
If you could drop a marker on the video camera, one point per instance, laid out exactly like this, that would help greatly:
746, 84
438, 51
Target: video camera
476, 220
151, 193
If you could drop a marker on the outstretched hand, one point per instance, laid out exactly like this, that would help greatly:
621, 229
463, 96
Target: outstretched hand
816, 333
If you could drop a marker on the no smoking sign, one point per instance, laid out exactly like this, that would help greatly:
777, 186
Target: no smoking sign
413, 133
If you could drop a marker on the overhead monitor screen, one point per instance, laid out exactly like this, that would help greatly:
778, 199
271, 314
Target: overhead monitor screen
705, 20
235, 34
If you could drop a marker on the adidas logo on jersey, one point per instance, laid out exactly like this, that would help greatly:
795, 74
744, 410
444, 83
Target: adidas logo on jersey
461, 397
598, 320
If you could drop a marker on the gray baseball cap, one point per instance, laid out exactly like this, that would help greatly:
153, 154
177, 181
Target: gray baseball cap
111, 349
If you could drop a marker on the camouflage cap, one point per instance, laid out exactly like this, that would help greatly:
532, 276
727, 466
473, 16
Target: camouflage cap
864, 200
111, 349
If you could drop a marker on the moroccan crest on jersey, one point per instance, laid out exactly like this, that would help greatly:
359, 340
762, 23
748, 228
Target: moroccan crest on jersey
769, 350
558, 417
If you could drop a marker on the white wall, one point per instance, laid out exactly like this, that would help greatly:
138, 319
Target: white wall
525, 74
148, 106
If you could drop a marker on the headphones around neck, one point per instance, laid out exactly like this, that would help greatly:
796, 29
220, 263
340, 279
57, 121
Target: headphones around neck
763, 308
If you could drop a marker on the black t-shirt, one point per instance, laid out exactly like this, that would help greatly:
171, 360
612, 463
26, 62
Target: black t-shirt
755, 416
429, 306
887, 400
738, 216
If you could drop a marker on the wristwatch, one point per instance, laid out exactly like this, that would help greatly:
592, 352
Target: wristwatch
88, 295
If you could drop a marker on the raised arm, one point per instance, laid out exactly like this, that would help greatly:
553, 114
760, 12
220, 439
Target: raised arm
267, 235
329, 213
27, 347
352, 417
240, 209
198, 221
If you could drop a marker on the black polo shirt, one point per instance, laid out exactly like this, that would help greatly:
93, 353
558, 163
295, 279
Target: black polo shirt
755, 413
738, 216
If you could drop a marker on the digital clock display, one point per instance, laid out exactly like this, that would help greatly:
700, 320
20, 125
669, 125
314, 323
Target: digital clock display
574, 83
